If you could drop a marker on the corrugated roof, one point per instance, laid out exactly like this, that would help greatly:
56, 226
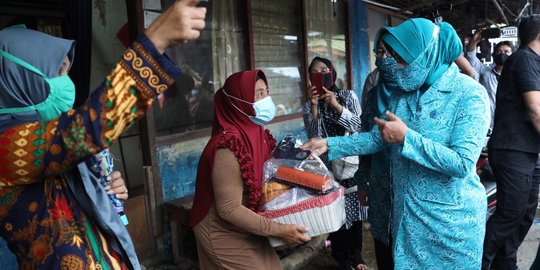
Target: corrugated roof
465, 15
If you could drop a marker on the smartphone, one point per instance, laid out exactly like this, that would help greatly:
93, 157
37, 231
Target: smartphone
491, 33
317, 80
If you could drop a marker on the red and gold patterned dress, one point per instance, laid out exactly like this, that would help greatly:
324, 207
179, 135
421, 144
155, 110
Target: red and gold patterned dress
40, 218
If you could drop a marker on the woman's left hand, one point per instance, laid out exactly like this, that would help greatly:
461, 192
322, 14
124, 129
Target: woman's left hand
117, 186
330, 99
393, 130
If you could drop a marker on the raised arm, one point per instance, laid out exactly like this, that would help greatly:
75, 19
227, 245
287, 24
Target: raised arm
350, 115
470, 55
140, 75
312, 124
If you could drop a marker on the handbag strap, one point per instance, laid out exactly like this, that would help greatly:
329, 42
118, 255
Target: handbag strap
321, 163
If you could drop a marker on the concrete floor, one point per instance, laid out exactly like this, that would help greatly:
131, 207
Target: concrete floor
526, 252
324, 260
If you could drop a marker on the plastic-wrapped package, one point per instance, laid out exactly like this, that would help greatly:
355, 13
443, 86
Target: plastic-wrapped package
301, 190
291, 175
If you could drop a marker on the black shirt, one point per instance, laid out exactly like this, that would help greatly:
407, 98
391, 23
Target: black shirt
513, 129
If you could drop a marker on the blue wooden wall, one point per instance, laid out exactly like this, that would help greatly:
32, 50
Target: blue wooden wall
178, 162
360, 44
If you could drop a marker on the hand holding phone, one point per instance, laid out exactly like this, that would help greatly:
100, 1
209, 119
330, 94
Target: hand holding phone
317, 80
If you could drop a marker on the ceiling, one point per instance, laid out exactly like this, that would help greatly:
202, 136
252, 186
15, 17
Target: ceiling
465, 15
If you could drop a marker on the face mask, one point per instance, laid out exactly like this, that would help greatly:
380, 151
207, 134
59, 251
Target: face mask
500, 59
265, 110
387, 68
328, 80
412, 76
61, 93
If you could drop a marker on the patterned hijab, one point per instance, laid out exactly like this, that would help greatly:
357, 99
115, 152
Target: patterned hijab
387, 81
438, 43
20, 87
251, 143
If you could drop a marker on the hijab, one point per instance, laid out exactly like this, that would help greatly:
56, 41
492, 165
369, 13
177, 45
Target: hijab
387, 81
20, 87
329, 64
251, 143
435, 46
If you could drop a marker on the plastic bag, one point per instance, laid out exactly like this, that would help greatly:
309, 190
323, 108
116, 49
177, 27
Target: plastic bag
290, 176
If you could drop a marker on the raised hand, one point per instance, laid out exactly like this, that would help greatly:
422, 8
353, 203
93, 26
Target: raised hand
473, 42
313, 95
182, 21
329, 97
392, 131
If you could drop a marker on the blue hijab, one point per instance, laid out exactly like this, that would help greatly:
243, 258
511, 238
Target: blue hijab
20, 87
434, 46
387, 81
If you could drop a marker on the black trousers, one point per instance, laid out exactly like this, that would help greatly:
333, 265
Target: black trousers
347, 246
383, 254
518, 176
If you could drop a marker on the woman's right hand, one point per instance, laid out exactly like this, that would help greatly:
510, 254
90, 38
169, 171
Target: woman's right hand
292, 234
182, 21
317, 146
313, 95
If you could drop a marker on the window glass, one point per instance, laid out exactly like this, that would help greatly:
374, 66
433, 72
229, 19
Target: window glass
277, 50
326, 35
205, 63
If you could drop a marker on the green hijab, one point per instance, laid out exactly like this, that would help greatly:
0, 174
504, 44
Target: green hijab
438, 43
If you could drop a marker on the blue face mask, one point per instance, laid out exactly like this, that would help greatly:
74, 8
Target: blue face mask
387, 68
265, 110
411, 77
61, 93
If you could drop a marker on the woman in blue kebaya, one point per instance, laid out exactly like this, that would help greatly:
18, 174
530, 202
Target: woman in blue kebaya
433, 132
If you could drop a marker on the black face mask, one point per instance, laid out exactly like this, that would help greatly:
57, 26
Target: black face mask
500, 58
328, 80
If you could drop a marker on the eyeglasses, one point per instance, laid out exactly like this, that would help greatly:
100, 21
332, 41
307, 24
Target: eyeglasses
379, 53
322, 70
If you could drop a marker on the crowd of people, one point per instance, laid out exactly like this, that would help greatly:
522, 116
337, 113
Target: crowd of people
418, 129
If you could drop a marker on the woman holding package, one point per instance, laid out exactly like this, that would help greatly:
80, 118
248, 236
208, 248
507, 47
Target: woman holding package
332, 114
439, 204
49, 213
229, 233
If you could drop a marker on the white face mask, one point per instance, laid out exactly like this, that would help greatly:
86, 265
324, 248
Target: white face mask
265, 110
